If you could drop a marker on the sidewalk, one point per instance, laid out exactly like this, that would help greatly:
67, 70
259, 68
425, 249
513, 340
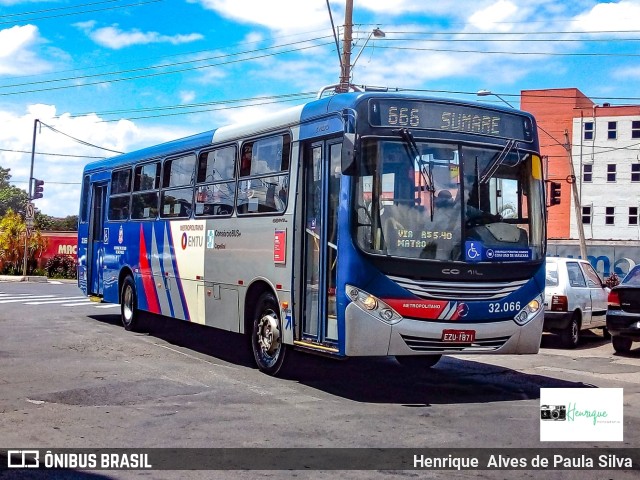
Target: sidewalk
22, 278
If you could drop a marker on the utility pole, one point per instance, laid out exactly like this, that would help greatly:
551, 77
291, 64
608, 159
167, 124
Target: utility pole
576, 198
345, 74
28, 206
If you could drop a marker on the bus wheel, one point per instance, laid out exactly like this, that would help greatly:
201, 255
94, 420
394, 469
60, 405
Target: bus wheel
266, 335
129, 304
418, 361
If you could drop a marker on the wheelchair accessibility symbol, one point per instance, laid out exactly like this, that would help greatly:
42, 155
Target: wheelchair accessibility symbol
473, 251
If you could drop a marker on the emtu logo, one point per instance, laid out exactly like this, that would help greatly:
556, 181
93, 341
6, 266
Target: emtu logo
23, 458
184, 241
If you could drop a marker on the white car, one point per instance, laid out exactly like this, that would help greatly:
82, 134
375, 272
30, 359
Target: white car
575, 299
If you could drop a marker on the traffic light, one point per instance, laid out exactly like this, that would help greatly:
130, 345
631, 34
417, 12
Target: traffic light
555, 193
38, 188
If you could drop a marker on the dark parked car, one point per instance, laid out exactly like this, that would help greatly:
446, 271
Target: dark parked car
623, 312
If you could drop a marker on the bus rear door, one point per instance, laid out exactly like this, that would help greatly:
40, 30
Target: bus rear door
98, 238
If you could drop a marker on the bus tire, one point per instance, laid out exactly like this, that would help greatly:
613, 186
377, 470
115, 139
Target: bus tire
129, 304
266, 335
570, 336
418, 361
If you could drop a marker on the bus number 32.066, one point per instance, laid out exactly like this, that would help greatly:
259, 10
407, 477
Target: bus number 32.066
404, 116
504, 307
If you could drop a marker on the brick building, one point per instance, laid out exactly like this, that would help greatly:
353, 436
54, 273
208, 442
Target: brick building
603, 144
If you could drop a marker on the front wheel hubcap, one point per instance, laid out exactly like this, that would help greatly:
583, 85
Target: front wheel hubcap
268, 334
127, 304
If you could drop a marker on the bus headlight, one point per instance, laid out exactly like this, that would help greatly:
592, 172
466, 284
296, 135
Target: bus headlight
372, 305
530, 310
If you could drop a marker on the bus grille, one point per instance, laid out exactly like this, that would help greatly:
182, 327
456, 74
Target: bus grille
462, 291
422, 344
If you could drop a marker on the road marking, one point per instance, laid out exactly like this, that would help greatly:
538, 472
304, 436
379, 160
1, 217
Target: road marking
58, 300
75, 304
33, 297
30, 299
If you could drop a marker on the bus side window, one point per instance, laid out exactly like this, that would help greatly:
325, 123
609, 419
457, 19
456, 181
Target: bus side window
266, 165
144, 201
84, 204
176, 199
120, 195
215, 189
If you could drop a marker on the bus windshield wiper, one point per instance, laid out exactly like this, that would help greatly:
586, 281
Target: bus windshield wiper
497, 161
411, 147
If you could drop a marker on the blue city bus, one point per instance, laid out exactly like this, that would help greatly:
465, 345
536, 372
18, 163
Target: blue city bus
358, 224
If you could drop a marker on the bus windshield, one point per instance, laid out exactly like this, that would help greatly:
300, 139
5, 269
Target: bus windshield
449, 202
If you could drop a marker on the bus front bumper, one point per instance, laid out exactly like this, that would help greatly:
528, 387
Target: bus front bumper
367, 335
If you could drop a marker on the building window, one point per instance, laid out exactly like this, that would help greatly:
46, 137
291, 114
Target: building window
612, 130
609, 215
586, 215
587, 173
633, 215
588, 130
635, 129
611, 172
635, 172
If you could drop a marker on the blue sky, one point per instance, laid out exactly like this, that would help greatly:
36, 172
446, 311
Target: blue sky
125, 74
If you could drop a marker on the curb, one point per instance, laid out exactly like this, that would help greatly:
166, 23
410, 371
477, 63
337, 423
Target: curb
22, 278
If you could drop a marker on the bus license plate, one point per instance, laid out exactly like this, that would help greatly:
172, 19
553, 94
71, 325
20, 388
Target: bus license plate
459, 336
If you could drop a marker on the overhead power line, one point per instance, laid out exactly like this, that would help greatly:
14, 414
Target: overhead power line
226, 107
44, 10
82, 142
511, 40
157, 59
278, 98
81, 12
156, 67
505, 52
48, 154
171, 72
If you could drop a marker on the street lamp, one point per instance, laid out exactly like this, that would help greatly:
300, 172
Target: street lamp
376, 32
486, 93
345, 76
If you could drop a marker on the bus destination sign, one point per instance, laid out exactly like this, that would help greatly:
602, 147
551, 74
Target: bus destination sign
449, 117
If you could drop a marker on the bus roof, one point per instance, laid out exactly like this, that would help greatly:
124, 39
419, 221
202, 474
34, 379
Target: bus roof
333, 104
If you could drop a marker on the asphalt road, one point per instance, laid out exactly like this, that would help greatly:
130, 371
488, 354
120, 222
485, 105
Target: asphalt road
72, 377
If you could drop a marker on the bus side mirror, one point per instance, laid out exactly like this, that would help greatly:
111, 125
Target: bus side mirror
349, 146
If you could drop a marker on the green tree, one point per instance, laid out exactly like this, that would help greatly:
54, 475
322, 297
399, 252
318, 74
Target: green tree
48, 223
11, 197
12, 231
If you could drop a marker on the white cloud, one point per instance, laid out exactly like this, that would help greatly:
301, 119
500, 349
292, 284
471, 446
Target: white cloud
187, 96
60, 197
114, 38
619, 16
490, 18
627, 73
16, 51
281, 15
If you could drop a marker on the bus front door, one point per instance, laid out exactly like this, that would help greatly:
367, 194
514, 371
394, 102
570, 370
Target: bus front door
98, 237
321, 195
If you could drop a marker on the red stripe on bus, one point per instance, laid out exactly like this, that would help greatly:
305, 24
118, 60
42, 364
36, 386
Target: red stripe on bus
147, 277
